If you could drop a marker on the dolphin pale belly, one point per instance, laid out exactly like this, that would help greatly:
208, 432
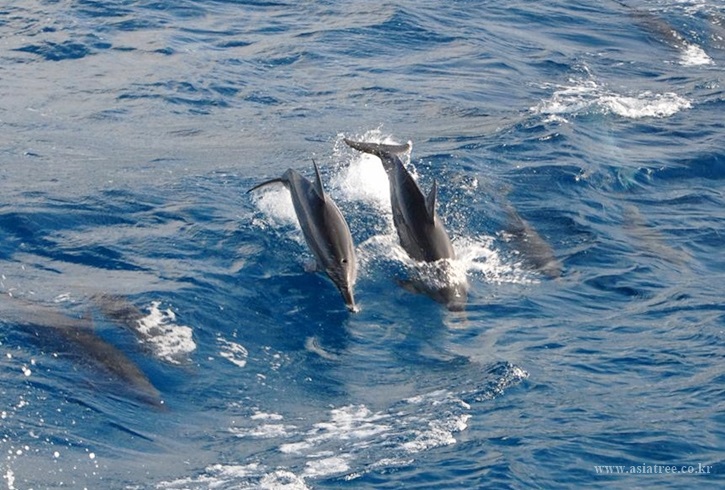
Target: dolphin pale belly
325, 230
420, 231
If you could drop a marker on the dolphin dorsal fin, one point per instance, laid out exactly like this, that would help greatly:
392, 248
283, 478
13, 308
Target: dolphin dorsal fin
430, 202
318, 182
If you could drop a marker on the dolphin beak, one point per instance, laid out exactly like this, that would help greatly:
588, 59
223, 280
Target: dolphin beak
349, 300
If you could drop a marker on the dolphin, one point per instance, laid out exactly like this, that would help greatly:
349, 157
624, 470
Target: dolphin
536, 253
325, 230
657, 26
80, 332
421, 233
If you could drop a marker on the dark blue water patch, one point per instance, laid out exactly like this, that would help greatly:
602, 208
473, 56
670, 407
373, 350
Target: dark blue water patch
403, 31
407, 29
135, 24
710, 166
99, 257
262, 99
195, 99
50, 51
30, 225
235, 43
381, 89
96, 9
110, 115
178, 10
624, 284
651, 445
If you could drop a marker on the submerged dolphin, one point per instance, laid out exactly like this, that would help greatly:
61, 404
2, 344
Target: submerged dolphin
80, 332
536, 253
325, 230
422, 235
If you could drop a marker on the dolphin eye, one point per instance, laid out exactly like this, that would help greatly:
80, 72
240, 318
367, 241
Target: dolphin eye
344, 261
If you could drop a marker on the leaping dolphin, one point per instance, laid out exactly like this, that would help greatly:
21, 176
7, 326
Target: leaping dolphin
422, 235
325, 230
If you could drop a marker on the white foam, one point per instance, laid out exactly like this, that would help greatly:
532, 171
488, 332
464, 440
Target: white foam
327, 466
282, 480
694, 55
645, 104
233, 352
438, 433
9, 476
352, 422
346, 423
266, 416
275, 203
363, 177
249, 476
583, 96
170, 342
480, 258
264, 431
295, 447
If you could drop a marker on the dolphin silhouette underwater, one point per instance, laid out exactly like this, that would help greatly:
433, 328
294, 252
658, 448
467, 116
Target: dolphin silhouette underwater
79, 334
325, 230
536, 253
420, 231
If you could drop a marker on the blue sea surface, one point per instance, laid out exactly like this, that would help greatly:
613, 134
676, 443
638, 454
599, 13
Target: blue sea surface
132, 129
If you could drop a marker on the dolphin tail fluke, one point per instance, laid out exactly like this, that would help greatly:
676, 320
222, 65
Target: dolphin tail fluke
273, 181
378, 149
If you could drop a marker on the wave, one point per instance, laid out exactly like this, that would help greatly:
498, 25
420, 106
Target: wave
580, 97
350, 441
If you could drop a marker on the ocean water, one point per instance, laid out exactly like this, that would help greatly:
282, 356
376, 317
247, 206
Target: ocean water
132, 129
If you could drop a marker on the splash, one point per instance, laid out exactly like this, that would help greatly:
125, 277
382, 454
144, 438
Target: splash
362, 177
585, 96
233, 352
694, 55
646, 104
9, 476
170, 342
275, 203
